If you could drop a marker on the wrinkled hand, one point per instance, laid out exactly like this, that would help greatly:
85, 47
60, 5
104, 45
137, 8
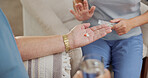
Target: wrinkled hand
82, 11
77, 38
123, 26
105, 75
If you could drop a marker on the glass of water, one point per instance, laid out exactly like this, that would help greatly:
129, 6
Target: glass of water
92, 66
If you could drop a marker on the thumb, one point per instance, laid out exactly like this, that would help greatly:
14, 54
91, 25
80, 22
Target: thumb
92, 9
115, 20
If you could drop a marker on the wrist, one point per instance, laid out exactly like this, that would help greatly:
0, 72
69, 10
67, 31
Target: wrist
132, 23
136, 21
71, 41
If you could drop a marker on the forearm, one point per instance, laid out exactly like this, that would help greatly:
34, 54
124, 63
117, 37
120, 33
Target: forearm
139, 20
34, 47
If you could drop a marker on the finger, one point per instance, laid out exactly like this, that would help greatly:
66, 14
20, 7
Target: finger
103, 25
98, 27
77, 8
85, 2
91, 11
120, 31
73, 12
80, 6
86, 25
108, 30
116, 26
115, 20
74, 5
77, 1
99, 33
120, 28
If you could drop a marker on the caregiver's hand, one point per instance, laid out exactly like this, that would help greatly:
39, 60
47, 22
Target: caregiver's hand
78, 36
105, 75
82, 11
123, 26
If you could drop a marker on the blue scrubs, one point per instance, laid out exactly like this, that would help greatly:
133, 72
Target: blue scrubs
124, 55
11, 65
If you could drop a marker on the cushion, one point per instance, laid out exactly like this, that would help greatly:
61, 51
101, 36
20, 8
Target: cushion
53, 66
41, 18
61, 8
70, 24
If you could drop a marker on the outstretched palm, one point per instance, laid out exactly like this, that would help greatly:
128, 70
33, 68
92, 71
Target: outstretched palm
82, 11
95, 33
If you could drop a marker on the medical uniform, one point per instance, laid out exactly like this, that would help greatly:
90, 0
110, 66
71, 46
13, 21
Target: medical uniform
11, 65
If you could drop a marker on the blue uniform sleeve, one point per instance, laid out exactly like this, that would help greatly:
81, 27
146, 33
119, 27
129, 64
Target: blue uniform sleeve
11, 65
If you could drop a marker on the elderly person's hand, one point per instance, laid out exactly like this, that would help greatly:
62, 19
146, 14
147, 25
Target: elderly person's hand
39, 46
123, 26
82, 35
82, 11
105, 75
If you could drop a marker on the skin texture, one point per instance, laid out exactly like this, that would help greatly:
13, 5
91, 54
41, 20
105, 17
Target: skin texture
35, 47
106, 75
82, 11
123, 26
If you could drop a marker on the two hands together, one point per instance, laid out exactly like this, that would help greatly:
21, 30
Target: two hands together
82, 13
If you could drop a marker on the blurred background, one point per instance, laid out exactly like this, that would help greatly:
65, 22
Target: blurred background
13, 11
145, 1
